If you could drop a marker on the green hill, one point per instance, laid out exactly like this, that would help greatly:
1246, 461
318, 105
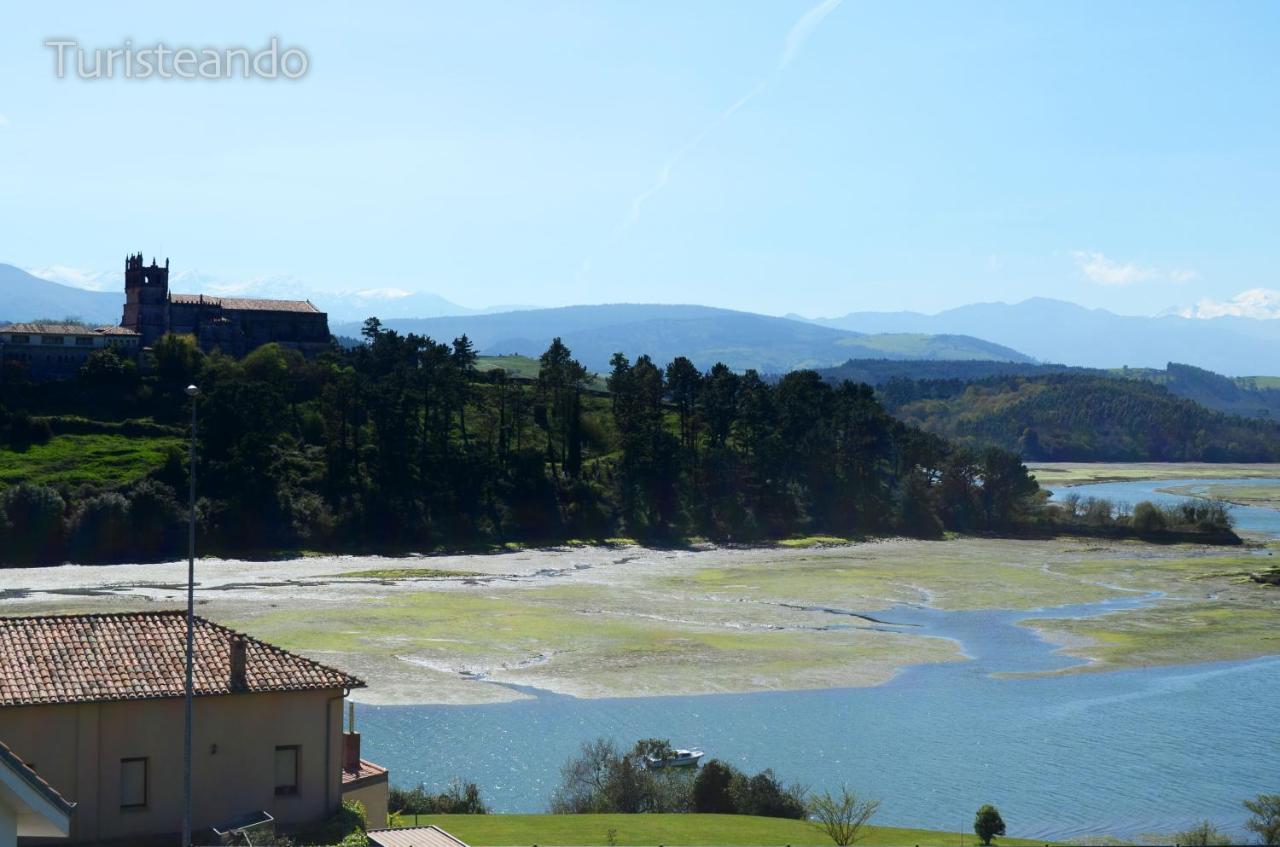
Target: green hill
1252, 397
1080, 417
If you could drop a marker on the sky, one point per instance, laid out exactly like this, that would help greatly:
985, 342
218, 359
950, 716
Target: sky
792, 156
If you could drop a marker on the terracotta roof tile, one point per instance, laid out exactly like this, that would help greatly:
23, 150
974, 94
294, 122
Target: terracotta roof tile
140, 655
248, 304
67, 329
367, 769
245, 304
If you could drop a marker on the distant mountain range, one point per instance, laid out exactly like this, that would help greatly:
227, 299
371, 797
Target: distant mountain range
705, 335
1056, 331
1038, 329
24, 297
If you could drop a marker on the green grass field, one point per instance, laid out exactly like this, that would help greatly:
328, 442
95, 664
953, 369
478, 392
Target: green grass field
519, 366
99, 460
526, 367
673, 831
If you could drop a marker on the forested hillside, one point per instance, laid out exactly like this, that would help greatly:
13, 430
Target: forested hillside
1248, 397
403, 443
1079, 417
1235, 395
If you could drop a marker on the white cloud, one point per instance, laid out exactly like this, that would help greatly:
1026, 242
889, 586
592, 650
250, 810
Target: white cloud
3, 120
79, 277
1106, 271
1263, 303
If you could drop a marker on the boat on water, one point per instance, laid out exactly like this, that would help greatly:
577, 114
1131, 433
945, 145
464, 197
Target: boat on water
677, 759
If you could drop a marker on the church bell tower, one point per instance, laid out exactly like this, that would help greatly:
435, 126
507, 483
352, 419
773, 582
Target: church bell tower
146, 298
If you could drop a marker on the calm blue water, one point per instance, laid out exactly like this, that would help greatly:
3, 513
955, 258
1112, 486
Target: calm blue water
1248, 518
1121, 753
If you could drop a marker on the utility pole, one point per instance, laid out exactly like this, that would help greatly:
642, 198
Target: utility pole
193, 392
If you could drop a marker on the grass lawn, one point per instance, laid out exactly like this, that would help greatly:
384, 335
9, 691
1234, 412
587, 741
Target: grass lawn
101, 460
671, 830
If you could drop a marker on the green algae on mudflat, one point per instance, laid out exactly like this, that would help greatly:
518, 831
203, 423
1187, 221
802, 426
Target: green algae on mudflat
1065, 474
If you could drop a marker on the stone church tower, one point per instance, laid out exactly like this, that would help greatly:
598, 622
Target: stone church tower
146, 303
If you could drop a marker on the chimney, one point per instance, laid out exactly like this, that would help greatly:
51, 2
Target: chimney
238, 681
351, 742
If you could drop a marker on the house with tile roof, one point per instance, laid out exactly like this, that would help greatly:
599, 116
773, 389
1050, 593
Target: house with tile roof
94, 704
58, 350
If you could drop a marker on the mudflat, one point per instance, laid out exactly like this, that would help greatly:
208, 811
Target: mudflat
626, 621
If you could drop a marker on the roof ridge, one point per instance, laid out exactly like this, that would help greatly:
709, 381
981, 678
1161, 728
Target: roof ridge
139, 613
126, 614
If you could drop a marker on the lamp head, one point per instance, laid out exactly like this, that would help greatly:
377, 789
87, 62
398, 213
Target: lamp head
193, 390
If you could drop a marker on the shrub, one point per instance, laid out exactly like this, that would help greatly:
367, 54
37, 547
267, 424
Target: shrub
460, 798
711, 789
155, 518
1147, 519
1265, 818
100, 528
988, 823
1203, 834
843, 816
32, 528
765, 795
345, 829
25, 430
108, 367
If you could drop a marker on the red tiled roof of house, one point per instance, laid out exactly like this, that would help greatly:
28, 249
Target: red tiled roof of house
245, 304
137, 656
367, 769
10, 759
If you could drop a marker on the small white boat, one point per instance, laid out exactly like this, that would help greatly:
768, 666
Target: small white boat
679, 759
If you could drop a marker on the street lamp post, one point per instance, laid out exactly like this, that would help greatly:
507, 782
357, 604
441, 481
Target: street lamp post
192, 392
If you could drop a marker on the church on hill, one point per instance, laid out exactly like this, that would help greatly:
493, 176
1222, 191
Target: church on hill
234, 325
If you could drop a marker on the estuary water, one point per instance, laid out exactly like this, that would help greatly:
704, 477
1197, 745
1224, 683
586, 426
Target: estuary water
1121, 753
1248, 518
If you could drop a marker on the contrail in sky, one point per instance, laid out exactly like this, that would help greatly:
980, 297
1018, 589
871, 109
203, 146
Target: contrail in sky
794, 43
803, 28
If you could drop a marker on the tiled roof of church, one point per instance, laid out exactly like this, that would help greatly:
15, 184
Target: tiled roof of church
246, 304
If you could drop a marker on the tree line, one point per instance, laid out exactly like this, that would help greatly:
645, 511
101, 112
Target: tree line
401, 442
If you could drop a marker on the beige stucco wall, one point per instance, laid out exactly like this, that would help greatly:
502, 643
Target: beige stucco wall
373, 797
78, 748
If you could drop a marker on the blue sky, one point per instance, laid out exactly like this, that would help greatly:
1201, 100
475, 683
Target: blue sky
914, 155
